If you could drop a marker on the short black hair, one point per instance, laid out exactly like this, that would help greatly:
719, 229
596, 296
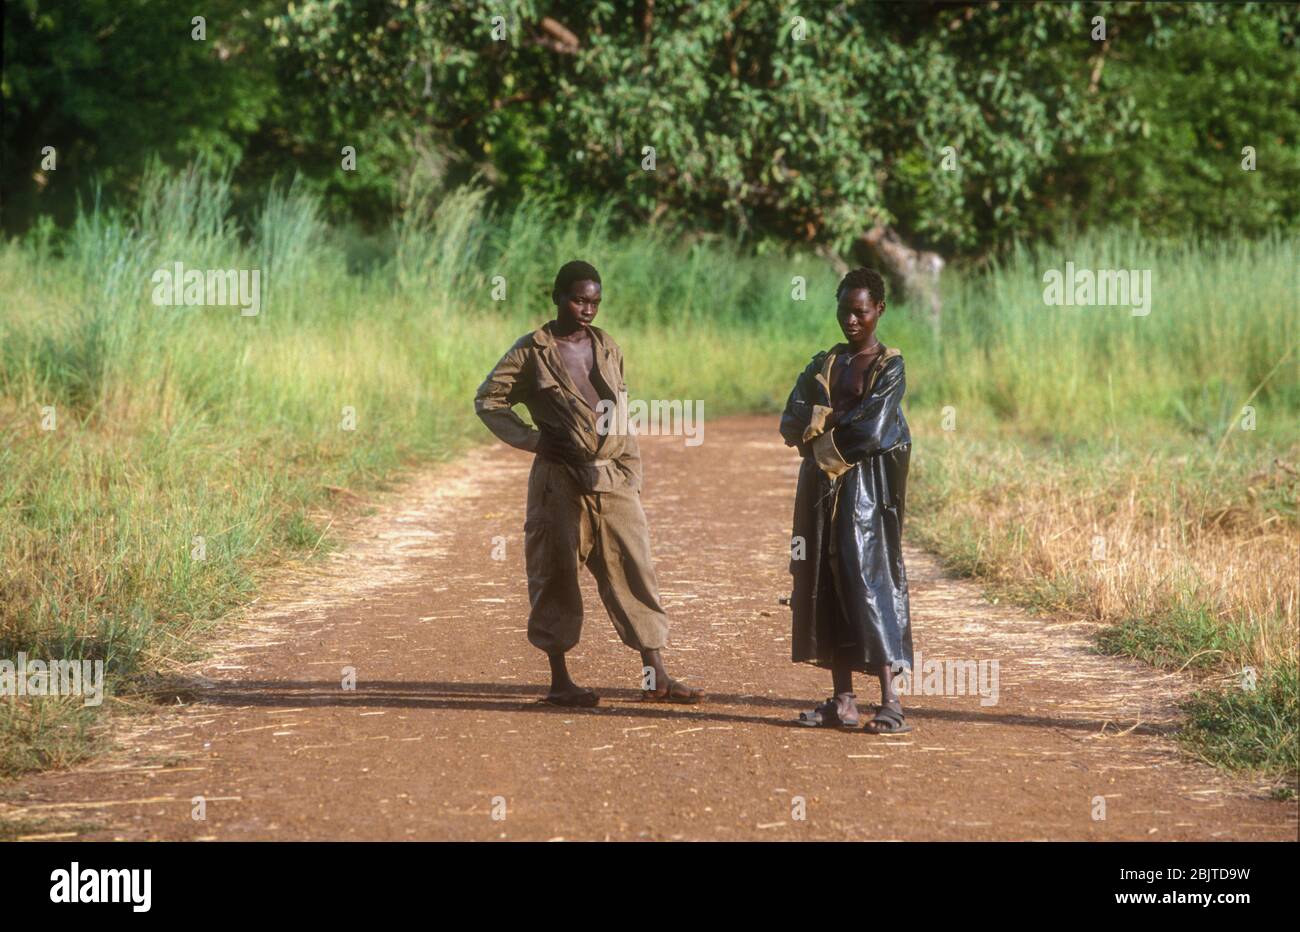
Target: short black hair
575, 271
866, 278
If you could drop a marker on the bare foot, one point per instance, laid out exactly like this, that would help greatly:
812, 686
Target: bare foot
572, 696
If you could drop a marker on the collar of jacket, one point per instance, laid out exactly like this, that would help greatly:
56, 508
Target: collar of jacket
829, 357
839, 348
544, 340
544, 336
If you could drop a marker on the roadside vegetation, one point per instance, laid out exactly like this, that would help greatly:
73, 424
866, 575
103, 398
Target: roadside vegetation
1083, 460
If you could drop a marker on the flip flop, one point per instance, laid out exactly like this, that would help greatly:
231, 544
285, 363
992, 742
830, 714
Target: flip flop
671, 694
583, 700
887, 721
827, 715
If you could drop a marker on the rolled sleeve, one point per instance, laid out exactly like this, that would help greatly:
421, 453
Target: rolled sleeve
506, 386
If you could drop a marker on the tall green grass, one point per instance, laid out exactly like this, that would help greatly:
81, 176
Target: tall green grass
178, 422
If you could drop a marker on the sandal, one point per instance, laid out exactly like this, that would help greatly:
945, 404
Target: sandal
673, 692
827, 715
887, 721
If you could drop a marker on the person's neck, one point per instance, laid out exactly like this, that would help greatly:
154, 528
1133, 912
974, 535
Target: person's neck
568, 330
869, 343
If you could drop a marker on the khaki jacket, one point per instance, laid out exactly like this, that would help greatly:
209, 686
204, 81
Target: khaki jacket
533, 374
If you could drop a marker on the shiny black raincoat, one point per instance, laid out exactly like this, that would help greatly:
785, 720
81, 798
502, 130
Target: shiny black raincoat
850, 587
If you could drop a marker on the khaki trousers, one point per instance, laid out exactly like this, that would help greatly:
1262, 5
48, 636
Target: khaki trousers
566, 528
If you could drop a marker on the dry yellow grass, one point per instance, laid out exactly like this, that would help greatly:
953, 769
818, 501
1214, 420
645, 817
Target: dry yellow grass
1121, 538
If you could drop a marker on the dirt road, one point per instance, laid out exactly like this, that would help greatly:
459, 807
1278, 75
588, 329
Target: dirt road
443, 737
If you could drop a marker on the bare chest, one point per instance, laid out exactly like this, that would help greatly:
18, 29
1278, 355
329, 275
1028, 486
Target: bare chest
579, 360
849, 377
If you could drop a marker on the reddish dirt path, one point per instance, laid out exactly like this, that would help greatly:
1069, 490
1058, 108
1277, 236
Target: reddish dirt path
444, 717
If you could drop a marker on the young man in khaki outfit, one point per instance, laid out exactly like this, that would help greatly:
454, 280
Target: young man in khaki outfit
584, 491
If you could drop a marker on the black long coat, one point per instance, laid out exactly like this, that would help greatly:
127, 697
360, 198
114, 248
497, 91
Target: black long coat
850, 588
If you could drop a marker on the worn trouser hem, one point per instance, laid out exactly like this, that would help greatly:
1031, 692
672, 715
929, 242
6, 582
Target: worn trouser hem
549, 646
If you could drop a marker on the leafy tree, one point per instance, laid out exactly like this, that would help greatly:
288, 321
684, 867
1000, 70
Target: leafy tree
109, 84
767, 117
953, 125
1204, 95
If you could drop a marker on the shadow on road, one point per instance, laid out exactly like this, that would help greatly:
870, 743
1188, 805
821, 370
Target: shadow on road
625, 703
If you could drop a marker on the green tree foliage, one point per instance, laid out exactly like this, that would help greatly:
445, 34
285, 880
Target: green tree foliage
818, 121
771, 119
1204, 95
110, 83
763, 120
